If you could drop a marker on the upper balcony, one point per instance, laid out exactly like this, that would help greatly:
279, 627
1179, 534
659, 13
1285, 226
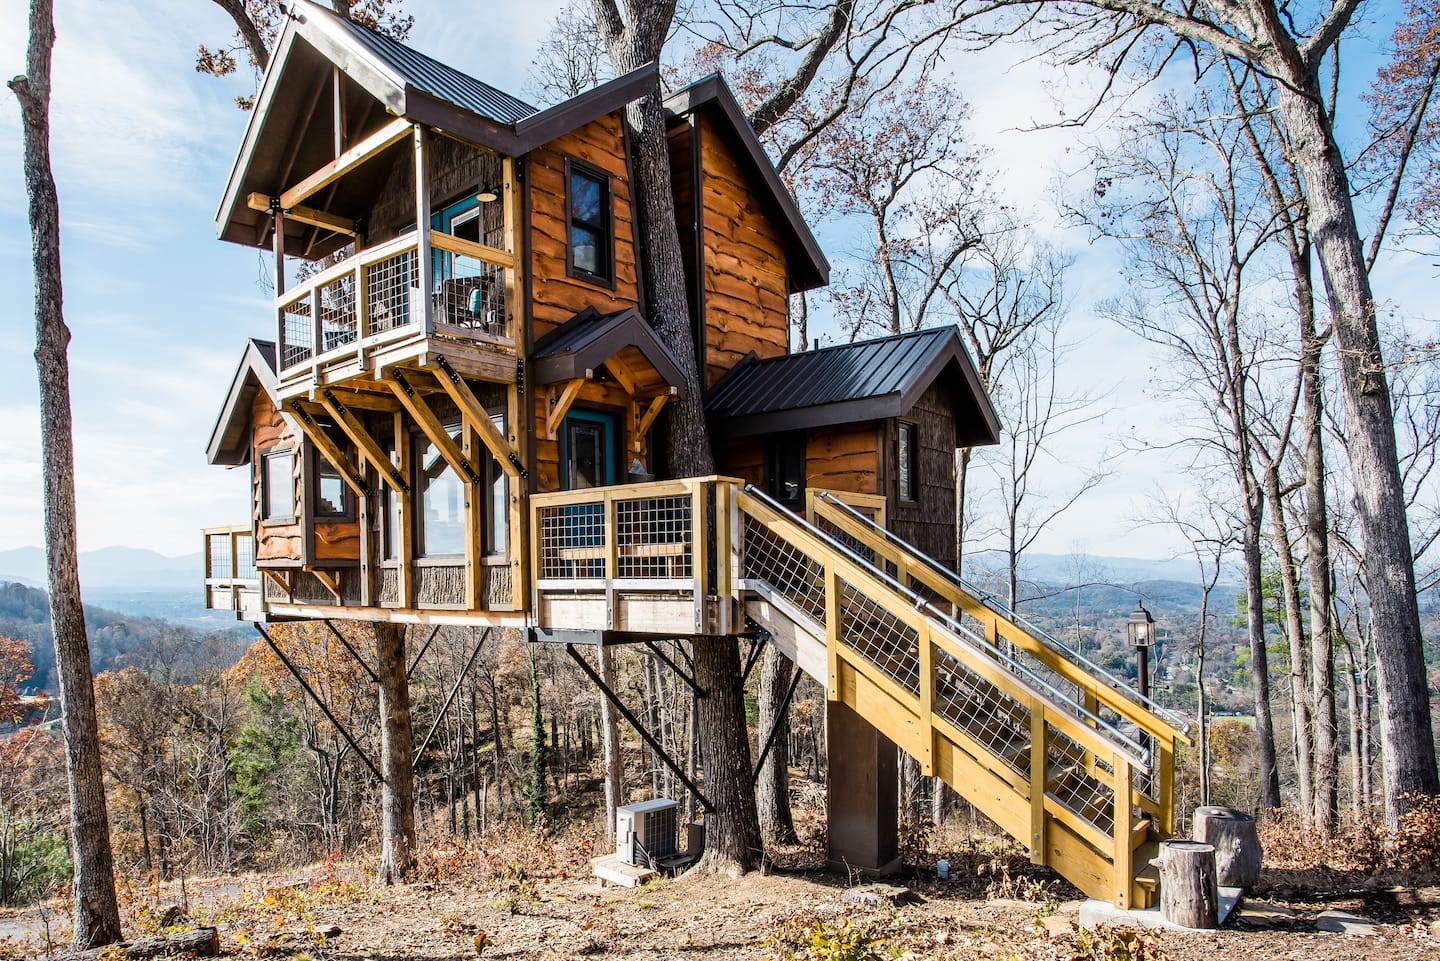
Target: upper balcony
392, 303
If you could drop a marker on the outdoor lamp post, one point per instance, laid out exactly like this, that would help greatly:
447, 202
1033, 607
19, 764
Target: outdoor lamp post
1141, 628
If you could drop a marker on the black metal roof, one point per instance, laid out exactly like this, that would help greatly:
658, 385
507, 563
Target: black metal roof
853, 382
591, 338
430, 76
229, 441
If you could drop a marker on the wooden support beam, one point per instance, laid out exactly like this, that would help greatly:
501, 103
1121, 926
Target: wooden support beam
622, 374
404, 533
280, 579
393, 132
357, 399
305, 215
561, 406
425, 418
479, 418
349, 473
398, 477
332, 582
647, 419
1039, 758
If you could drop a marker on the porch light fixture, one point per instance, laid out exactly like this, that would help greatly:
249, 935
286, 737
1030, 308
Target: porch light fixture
487, 195
1141, 628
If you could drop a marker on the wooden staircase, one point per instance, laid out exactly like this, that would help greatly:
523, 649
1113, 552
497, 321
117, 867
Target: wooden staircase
1062, 756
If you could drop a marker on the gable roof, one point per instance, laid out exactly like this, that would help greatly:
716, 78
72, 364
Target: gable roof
590, 338
229, 440
280, 142
853, 382
808, 267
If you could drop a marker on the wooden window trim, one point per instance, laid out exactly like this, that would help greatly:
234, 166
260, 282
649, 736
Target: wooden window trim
607, 182
902, 427
418, 442
263, 457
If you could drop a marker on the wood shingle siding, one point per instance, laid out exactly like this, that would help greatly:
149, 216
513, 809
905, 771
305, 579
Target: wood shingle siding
928, 522
745, 286
556, 296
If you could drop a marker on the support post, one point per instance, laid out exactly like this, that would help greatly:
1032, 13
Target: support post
424, 267
862, 799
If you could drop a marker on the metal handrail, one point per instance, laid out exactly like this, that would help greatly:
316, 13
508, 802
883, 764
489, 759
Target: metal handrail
962, 635
999, 608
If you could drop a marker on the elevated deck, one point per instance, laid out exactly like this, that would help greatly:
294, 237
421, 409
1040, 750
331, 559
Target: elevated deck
1059, 753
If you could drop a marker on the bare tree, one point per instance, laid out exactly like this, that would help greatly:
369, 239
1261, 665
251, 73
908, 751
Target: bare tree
1179, 196
1271, 37
571, 58
97, 914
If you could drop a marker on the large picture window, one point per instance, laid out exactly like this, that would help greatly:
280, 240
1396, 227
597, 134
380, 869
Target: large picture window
440, 527
589, 224
277, 485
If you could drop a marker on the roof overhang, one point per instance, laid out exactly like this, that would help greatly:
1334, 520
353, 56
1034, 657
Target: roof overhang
230, 439
808, 265
281, 145
976, 423
589, 340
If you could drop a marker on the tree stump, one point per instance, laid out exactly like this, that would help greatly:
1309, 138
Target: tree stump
1189, 895
1237, 845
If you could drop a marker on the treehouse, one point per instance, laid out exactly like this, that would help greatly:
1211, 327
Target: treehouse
460, 421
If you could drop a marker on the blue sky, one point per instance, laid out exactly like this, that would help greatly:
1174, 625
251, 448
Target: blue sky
160, 310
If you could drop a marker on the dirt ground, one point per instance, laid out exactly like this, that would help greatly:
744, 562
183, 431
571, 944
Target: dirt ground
519, 906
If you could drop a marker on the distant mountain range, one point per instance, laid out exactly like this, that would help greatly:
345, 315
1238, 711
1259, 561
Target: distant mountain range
109, 567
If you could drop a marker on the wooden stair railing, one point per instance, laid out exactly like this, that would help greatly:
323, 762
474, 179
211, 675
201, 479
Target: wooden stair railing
1051, 773
1100, 692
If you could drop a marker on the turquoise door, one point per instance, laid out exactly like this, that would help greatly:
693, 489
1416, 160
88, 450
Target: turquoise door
589, 449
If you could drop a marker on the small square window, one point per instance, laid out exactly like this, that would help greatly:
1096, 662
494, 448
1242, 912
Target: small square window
277, 485
589, 224
906, 462
332, 496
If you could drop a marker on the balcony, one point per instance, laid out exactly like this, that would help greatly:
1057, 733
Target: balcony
232, 582
389, 303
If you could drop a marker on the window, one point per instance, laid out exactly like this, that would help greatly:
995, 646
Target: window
332, 495
785, 469
589, 231
440, 527
905, 460
497, 525
277, 485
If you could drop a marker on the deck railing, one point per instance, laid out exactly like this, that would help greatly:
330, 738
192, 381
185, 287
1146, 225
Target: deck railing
232, 583
380, 295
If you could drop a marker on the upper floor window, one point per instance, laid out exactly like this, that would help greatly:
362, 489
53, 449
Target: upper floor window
332, 496
589, 224
277, 485
906, 463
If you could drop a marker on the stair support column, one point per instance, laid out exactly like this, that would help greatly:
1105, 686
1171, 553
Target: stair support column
862, 797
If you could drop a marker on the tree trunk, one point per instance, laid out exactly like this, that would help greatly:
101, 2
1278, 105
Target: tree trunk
97, 915
1295, 634
773, 797
732, 828
610, 732
1189, 895
1255, 630
397, 794
1405, 732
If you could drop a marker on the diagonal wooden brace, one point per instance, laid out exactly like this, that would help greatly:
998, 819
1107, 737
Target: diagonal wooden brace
398, 477
349, 473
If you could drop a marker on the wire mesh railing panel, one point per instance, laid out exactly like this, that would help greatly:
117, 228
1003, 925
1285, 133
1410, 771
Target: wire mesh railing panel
387, 290
989, 716
470, 293
572, 542
1074, 783
218, 547
880, 637
853, 544
799, 578
337, 312
654, 537
297, 333
245, 557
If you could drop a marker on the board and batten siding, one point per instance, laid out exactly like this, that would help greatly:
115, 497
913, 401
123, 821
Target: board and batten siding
928, 522
556, 296
745, 276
